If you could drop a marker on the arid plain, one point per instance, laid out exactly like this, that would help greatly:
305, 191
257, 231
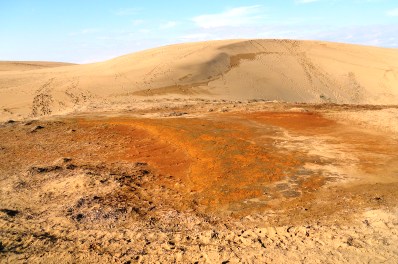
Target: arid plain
240, 151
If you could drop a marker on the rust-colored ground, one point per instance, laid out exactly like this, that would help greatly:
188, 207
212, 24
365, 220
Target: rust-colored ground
226, 163
235, 163
112, 187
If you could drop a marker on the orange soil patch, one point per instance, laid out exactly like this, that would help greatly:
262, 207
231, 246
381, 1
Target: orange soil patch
143, 146
224, 167
224, 163
308, 123
376, 154
228, 163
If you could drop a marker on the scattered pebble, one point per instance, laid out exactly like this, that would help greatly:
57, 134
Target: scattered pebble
177, 113
36, 128
66, 160
10, 212
36, 169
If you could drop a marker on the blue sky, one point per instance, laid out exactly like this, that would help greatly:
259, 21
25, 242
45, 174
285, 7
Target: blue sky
94, 30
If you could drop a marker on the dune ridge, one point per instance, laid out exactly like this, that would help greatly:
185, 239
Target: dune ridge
30, 65
283, 70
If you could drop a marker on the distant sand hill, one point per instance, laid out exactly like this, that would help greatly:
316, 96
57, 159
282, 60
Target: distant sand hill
29, 65
285, 70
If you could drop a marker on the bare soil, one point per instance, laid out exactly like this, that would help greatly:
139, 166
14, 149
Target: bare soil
220, 182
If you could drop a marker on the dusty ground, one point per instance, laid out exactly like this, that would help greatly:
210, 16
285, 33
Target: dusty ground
202, 182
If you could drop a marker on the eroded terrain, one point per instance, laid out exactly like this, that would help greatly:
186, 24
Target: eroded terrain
217, 182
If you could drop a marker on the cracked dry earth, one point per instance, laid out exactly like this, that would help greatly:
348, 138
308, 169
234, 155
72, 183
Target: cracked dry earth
204, 187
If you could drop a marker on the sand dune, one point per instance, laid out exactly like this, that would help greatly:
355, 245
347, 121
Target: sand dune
29, 65
285, 70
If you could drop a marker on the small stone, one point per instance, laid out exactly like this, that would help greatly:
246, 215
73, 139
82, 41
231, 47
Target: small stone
36, 169
36, 128
350, 241
79, 217
10, 212
71, 166
28, 123
178, 113
66, 160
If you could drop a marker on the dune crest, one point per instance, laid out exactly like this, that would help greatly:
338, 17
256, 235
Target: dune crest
29, 65
284, 70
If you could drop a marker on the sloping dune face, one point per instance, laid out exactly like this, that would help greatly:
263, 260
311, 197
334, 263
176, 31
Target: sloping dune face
29, 65
286, 70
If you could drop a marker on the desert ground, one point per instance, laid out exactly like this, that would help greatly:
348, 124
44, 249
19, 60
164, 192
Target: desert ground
255, 151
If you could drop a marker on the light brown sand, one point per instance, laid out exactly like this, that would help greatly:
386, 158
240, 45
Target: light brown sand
186, 154
285, 70
29, 65
209, 182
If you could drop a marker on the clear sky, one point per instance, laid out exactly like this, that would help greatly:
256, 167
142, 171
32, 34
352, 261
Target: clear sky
94, 30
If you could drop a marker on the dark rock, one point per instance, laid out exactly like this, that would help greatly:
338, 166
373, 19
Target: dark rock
36, 170
178, 113
79, 217
46, 236
36, 128
261, 243
71, 166
66, 160
350, 241
1, 246
29, 217
28, 123
80, 202
214, 234
10, 212
144, 172
10, 121
141, 164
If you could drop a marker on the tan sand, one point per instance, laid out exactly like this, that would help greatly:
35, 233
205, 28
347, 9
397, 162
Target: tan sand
29, 65
285, 70
213, 182
186, 154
